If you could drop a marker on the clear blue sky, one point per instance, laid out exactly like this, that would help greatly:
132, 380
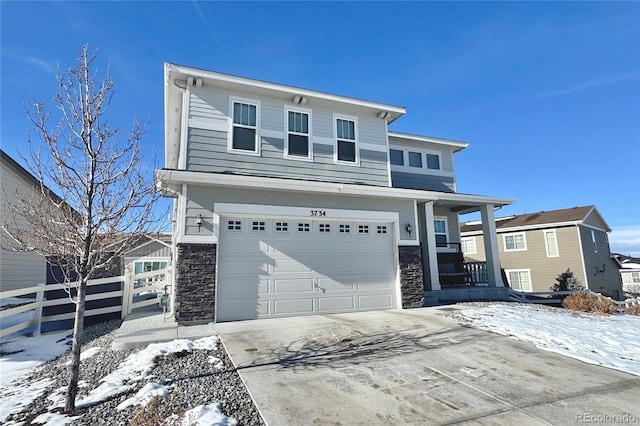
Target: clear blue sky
546, 93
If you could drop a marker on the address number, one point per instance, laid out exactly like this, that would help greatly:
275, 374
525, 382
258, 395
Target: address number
318, 213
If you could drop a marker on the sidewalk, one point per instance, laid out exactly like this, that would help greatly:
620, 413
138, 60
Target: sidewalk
140, 329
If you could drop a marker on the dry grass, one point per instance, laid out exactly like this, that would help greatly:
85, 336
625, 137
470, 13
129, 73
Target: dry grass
632, 310
155, 413
584, 302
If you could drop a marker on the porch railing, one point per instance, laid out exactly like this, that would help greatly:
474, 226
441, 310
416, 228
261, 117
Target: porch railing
478, 272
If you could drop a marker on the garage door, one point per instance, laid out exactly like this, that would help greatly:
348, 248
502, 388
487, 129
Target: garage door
284, 267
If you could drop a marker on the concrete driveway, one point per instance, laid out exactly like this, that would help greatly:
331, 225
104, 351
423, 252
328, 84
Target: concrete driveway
415, 367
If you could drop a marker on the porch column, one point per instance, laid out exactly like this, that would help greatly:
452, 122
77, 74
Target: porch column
491, 246
431, 252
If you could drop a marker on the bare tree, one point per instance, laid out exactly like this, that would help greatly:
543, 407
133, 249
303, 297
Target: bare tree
105, 195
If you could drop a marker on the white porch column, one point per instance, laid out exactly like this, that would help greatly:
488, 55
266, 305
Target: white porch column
491, 246
432, 251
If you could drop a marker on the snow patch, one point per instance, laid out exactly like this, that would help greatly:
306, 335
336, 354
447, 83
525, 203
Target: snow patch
144, 395
207, 415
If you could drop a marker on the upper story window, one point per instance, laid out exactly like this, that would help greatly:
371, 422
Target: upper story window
346, 140
298, 132
440, 226
468, 245
245, 124
396, 157
415, 159
433, 161
593, 240
515, 242
551, 243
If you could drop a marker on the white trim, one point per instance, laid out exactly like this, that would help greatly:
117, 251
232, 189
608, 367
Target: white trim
253, 210
594, 227
308, 112
584, 266
258, 137
546, 243
197, 239
527, 270
172, 69
356, 135
184, 130
128, 260
475, 245
390, 182
445, 219
255, 182
182, 210
450, 142
513, 234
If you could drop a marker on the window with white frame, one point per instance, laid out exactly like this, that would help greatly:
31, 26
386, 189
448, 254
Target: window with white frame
519, 279
514, 242
344, 228
468, 245
363, 229
593, 240
304, 227
245, 126
635, 277
433, 161
324, 228
234, 225
415, 159
258, 225
551, 243
381, 229
440, 226
143, 266
298, 131
282, 226
346, 140
396, 157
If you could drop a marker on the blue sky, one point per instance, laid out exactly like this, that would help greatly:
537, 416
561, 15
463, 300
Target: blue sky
546, 93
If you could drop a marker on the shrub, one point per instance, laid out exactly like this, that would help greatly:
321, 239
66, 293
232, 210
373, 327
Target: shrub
567, 282
584, 302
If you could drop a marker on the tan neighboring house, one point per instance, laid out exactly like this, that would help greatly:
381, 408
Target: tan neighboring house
535, 248
17, 270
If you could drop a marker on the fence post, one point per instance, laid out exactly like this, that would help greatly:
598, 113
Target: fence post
126, 295
38, 309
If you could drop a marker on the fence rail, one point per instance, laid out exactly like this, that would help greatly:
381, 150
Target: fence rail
44, 299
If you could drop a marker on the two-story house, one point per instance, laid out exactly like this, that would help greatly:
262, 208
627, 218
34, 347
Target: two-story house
536, 247
290, 201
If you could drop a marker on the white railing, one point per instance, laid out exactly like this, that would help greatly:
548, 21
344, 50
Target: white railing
537, 296
478, 272
41, 302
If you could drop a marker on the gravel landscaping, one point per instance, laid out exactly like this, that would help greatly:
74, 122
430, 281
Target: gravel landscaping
190, 376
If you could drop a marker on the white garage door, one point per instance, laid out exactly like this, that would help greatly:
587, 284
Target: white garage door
284, 267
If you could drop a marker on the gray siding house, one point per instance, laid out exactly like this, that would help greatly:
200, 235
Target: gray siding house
17, 270
290, 201
535, 248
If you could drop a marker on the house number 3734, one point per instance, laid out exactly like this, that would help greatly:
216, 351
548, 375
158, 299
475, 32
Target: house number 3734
318, 213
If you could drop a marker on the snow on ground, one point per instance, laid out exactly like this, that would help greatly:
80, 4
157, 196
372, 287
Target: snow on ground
611, 341
139, 365
206, 415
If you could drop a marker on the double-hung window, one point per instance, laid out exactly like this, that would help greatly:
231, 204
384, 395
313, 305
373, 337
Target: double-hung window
468, 245
346, 140
245, 123
440, 226
515, 242
551, 243
519, 279
298, 132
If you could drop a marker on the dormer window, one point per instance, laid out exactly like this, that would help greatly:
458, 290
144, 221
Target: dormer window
298, 132
346, 140
244, 126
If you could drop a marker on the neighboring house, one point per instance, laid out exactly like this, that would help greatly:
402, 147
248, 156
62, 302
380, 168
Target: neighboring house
17, 270
151, 253
290, 201
535, 248
629, 269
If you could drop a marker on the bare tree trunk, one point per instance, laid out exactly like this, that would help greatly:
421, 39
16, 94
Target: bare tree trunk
74, 370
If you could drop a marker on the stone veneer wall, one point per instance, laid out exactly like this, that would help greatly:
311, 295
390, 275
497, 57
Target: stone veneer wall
411, 276
195, 283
